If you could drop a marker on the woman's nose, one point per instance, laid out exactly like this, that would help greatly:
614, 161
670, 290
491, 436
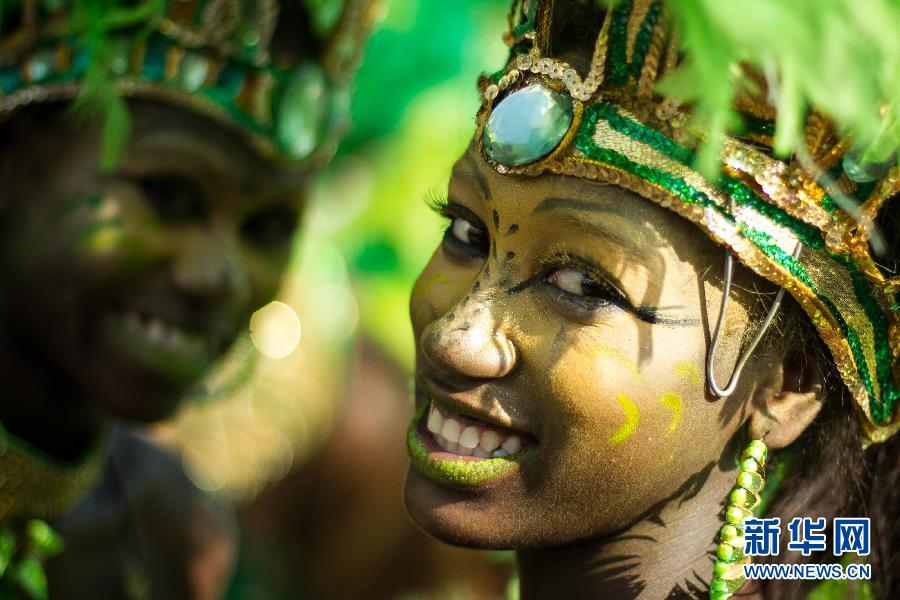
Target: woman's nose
468, 341
209, 267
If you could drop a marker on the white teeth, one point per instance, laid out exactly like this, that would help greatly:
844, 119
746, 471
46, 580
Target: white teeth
480, 453
490, 440
469, 438
451, 430
512, 444
435, 421
166, 335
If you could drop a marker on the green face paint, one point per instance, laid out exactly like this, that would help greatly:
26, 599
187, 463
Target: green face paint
438, 278
632, 416
672, 401
457, 472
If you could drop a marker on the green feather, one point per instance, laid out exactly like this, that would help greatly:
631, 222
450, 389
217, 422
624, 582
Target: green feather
840, 56
93, 22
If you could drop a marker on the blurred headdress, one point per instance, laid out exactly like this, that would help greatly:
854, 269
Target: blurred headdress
276, 72
579, 97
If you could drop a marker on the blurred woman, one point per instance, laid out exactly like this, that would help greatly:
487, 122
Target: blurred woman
136, 243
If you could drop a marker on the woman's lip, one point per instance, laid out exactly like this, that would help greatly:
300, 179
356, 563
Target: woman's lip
159, 346
453, 469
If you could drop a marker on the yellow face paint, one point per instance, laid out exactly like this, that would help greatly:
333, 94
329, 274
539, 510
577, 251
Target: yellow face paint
604, 351
632, 416
688, 372
672, 401
439, 277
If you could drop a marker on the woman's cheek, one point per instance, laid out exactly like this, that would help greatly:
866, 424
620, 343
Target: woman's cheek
441, 285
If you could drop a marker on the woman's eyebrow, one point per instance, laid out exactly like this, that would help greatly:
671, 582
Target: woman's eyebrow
625, 242
472, 173
211, 156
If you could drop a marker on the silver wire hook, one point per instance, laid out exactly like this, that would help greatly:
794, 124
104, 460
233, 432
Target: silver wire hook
714, 342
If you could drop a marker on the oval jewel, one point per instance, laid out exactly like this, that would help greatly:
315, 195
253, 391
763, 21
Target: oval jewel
527, 125
862, 171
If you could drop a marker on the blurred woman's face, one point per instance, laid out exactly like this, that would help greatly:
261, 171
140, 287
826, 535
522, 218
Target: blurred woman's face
560, 381
134, 283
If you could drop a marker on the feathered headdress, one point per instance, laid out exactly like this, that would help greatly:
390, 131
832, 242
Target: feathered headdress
277, 72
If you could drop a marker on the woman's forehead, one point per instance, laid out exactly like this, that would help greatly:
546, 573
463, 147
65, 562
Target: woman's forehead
162, 129
547, 195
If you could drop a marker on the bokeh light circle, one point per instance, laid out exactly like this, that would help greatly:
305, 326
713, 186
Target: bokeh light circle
275, 329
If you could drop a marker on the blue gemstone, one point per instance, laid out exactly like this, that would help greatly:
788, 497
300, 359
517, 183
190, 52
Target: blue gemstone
527, 125
862, 171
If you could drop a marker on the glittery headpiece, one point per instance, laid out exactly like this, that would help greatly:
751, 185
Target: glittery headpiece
277, 72
594, 113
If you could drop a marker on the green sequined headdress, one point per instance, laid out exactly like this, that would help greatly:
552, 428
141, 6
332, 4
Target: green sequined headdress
580, 97
276, 72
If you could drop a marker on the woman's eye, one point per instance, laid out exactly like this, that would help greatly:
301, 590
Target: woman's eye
270, 228
465, 236
569, 280
174, 198
577, 283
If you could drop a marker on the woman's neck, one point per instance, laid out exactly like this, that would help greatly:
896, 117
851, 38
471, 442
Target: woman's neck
668, 553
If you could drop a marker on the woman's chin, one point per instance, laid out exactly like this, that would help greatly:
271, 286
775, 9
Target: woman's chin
138, 401
457, 517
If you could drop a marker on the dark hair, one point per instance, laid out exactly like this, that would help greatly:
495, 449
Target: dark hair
826, 471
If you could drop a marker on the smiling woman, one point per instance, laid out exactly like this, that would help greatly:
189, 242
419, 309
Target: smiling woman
141, 278
135, 243
565, 321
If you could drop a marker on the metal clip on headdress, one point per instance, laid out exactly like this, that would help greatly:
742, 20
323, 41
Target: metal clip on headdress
592, 113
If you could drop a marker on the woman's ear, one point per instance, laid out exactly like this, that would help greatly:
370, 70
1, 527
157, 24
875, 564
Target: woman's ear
782, 412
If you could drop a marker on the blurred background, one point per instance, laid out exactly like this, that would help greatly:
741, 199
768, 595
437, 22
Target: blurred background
303, 427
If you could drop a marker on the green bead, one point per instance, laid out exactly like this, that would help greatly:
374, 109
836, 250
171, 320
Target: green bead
751, 481
718, 595
728, 532
756, 449
45, 540
726, 552
720, 568
736, 515
718, 585
730, 571
743, 498
7, 547
738, 496
29, 574
750, 465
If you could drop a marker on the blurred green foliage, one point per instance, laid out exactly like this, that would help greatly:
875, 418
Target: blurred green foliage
413, 112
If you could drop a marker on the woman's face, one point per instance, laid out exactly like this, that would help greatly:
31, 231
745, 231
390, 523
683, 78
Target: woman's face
562, 331
134, 283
